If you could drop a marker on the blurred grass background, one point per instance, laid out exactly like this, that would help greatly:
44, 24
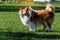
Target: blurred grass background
23, 3
11, 27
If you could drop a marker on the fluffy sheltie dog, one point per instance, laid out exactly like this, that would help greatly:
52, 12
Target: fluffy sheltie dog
34, 18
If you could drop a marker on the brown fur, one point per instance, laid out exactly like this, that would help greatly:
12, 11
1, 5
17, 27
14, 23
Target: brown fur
41, 16
26, 9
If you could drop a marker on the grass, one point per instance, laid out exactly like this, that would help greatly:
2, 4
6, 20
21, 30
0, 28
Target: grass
57, 4
11, 28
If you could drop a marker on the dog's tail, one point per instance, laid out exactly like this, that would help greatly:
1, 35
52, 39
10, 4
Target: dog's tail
50, 8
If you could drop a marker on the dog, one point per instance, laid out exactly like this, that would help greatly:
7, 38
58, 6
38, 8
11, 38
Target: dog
33, 18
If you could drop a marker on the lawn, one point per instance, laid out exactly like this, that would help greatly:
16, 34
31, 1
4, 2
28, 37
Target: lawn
11, 28
56, 4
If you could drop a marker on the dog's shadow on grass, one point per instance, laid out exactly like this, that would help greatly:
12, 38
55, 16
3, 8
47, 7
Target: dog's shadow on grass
29, 35
47, 31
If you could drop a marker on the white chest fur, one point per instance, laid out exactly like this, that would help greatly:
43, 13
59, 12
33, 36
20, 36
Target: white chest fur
24, 20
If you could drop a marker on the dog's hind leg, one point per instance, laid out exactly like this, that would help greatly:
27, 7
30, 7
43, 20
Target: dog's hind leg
49, 23
44, 25
49, 27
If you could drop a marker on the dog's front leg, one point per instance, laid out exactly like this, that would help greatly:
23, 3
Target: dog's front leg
32, 27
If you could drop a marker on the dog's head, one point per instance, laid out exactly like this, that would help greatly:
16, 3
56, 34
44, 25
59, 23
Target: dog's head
25, 14
25, 11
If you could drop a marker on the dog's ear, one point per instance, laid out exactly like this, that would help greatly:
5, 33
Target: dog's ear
27, 10
23, 7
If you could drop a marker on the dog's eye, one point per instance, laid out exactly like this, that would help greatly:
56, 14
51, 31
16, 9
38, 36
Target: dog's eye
24, 13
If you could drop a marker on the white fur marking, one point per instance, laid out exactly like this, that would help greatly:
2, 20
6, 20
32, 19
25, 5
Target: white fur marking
24, 20
32, 26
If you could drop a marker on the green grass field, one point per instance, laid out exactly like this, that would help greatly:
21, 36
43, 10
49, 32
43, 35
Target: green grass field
11, 28
56, 4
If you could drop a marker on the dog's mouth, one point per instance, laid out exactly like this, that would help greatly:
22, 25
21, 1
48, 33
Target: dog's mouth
25, 20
